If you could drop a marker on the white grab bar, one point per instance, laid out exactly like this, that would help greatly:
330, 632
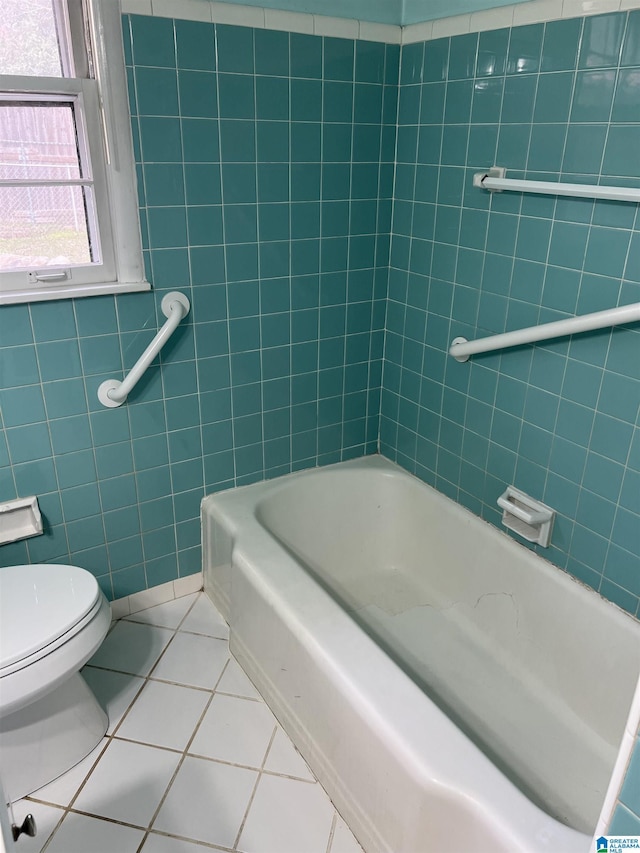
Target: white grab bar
112, 392
495, 181
461, 348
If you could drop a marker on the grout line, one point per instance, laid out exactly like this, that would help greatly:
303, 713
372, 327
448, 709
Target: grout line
113, 736
175, 774
332, 831
186, 749
54, 830
105, 818
163, 747
84, 781
255, 788
267, 772
204, 844
85, 814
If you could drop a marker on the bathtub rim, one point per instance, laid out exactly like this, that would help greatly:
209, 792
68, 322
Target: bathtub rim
386, 466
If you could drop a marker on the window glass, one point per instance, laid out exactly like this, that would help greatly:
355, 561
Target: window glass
29, 36
69, 221
38, 141
42, 225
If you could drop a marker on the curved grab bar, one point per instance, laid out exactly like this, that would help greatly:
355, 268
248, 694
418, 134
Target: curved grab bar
112, 392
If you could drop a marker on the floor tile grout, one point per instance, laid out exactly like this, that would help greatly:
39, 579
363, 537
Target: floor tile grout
185, 753
176, 630
332, 831
53, 831
110, 737
255, 788
206, 845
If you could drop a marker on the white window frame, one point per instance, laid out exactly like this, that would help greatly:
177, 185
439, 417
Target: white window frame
101, 110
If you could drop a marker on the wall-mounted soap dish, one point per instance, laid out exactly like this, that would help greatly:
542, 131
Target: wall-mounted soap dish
19, 519
526, 516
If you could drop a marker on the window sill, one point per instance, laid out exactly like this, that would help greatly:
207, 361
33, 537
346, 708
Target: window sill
70, 291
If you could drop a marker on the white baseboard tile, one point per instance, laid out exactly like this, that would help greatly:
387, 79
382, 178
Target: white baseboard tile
491, 19
289, 22
577, 8
150, 597
136, 7
347, 28
156, 595
120, 608
417, 32
386, 33
240, 16
190, 10
533, 12
454, 26
188, 585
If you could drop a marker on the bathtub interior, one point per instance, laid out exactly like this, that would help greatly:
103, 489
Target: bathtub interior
461, 609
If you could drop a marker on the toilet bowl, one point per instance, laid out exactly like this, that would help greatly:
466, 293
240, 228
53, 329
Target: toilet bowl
52, 619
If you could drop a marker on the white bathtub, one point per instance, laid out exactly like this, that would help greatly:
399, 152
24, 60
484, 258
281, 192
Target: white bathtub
452, 691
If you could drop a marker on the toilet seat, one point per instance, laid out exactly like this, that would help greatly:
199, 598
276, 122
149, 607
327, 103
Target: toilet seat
75, 618
41, 607
53, 618
25, 662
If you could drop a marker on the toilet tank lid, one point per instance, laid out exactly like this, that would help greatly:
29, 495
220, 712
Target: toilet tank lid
40, 603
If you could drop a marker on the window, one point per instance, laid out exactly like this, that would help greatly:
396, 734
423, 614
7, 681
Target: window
68, 211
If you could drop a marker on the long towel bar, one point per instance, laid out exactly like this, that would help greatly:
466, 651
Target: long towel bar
461, 348
494, 180
112, 392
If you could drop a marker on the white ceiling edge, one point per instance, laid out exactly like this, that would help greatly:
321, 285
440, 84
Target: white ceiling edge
533, 11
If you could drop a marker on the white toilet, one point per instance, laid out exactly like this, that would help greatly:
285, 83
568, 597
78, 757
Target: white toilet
52, 619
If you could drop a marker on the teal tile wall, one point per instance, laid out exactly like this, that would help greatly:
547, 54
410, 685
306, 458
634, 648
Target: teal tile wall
626, 815
559, 420
265, 173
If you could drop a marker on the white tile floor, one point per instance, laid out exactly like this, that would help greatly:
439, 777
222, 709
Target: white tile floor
193, 759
